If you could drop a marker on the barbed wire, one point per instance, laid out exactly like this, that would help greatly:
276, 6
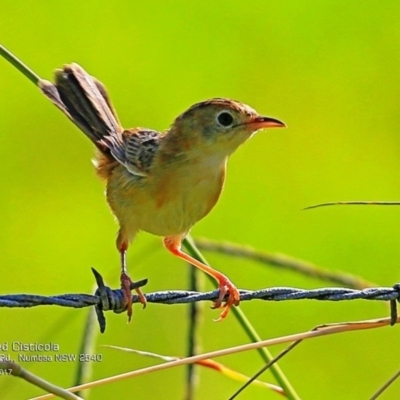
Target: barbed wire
107, 299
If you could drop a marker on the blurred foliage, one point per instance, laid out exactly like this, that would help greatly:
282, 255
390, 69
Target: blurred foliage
328, 69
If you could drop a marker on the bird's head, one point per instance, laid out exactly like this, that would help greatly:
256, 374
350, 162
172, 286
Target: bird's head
219, 125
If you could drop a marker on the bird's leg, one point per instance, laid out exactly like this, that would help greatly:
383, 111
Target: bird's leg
126, 283
225, 286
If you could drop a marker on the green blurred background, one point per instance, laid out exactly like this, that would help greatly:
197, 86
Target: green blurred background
328, 69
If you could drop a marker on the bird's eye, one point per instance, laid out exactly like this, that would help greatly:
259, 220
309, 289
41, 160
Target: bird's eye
225, 119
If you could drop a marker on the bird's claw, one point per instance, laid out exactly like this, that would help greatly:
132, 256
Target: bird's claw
226, 286
126, 291
126, 283
142, 297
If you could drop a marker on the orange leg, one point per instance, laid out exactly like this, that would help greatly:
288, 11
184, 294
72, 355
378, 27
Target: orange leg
126, 283
173, 244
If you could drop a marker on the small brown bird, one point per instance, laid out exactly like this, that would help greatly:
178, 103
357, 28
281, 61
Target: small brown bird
161, 183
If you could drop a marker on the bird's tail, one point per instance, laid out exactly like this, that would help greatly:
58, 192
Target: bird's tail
85, 101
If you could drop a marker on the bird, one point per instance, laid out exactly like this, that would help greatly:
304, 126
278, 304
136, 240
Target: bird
162, 183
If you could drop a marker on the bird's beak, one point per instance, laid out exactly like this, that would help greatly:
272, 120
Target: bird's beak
265, 122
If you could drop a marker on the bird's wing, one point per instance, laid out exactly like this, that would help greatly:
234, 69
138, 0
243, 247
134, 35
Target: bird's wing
134, 148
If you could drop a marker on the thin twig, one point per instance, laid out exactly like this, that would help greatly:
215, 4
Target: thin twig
283, 261
323, 331
193, 335
19, 65
350, 325
84, 369
16, 370
251, 332
385, 386
354, 203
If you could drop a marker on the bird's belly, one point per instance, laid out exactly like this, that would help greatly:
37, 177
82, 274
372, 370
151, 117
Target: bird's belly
168, 206
172, 218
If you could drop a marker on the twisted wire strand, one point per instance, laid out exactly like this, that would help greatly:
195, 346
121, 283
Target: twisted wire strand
77, 300
106, 299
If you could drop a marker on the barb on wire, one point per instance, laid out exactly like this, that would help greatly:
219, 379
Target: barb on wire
106, 299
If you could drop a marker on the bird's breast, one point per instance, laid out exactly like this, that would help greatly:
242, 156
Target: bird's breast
167, 202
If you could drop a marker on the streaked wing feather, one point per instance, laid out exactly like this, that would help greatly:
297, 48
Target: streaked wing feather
135, 149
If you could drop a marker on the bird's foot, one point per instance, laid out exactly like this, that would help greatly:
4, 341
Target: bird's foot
126, 291
226, 286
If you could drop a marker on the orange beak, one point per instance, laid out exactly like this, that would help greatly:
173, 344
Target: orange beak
265, 122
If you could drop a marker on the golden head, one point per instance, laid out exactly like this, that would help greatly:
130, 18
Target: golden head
219, 124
